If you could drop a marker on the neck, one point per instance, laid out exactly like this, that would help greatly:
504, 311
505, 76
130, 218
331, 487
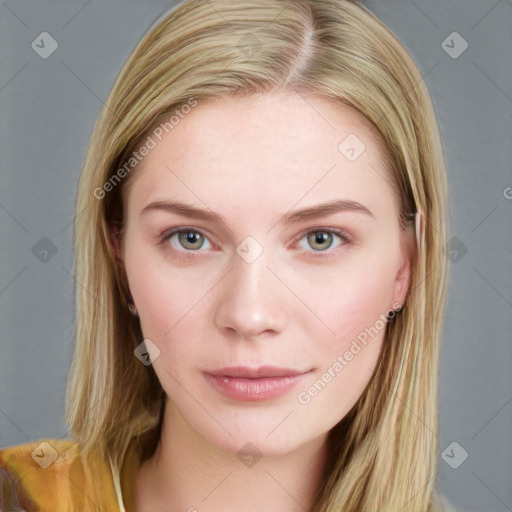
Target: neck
189, 473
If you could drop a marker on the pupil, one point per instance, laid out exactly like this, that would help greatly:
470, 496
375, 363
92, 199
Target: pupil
321, 237
190, 238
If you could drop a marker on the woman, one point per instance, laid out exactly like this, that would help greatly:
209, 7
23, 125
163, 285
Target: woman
259, 245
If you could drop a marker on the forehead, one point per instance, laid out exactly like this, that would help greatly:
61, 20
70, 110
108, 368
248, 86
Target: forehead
287, 125
284, 147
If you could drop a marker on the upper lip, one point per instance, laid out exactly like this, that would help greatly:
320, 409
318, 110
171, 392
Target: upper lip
259, 372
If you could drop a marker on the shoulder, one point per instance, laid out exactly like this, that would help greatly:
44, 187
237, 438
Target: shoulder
51, 474
43, 453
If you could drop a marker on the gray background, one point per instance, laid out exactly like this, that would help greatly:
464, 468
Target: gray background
47, 111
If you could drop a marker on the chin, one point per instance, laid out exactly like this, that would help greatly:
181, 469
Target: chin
269, 435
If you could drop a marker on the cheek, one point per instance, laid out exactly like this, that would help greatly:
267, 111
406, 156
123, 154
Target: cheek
164, 295
352, 298
353, 303
346, 360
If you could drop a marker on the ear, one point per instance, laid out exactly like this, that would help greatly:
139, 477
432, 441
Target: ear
403, 273
115, 238
419, 221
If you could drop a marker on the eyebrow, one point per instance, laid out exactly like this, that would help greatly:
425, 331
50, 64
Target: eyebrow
312, 212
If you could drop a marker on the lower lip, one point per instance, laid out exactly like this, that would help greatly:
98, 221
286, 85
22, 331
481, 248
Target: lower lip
253, 390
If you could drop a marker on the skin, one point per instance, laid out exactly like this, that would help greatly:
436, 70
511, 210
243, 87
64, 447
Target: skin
253, 160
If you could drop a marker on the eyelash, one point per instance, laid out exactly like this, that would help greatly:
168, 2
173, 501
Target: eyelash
343, 235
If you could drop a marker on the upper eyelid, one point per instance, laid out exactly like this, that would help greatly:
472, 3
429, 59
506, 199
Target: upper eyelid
336, 231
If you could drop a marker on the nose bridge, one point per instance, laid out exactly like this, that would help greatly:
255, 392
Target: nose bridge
251, 301
251, 277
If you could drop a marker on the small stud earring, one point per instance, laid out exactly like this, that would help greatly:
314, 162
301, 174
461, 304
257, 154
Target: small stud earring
393, 312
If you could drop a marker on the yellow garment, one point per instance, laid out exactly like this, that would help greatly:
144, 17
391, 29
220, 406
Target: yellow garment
70, 485
51, 476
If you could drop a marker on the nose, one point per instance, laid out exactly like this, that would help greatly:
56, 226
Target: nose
251, 301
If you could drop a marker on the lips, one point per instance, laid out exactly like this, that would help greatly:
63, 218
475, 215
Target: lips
254, 384
245, 372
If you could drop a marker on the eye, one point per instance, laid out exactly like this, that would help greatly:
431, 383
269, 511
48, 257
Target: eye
321, 240
187, 239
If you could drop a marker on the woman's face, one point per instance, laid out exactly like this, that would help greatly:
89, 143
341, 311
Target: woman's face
268, 308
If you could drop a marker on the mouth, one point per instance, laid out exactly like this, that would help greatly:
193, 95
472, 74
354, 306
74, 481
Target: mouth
254, 384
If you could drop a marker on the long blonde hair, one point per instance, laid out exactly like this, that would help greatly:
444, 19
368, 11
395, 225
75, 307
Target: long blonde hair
384, 452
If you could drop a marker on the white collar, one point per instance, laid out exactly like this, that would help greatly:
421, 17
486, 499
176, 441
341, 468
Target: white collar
117, 485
